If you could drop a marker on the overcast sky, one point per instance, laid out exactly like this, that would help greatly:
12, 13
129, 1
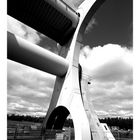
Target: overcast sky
106, 57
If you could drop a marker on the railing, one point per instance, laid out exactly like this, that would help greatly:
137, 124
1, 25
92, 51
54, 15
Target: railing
23, 134
122, 135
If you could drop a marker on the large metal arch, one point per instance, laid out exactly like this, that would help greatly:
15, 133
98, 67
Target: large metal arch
67, 89
57, 118
67, 94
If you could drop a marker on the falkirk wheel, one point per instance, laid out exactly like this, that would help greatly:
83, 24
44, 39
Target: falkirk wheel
68, 96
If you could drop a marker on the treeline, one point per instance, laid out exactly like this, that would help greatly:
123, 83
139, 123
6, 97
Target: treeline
122, 123
14, 117
69, 123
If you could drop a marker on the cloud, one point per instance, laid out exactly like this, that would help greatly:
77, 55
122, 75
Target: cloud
90, 25
29, 90
97, 57
18, 28
110, 70
110, 91
22, 30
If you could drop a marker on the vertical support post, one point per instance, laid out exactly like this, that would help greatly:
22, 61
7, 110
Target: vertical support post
15, 134
69, 133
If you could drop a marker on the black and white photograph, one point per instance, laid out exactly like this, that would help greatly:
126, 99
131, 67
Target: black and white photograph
69, 70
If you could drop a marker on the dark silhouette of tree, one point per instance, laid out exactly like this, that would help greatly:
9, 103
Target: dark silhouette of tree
68, 123
122, 123
15, 117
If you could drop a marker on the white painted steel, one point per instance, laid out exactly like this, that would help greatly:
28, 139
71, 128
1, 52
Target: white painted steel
65, 10
32, 55
98, 129
67, 91
69, 94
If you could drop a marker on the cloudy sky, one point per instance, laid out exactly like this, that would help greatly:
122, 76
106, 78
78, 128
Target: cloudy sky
106, 58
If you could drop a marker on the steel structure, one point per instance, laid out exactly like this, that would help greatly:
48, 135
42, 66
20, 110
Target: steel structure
34, 56
51, 17
60, 22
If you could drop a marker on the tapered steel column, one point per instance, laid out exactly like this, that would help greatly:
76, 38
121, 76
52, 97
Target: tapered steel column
29, 54
67, 93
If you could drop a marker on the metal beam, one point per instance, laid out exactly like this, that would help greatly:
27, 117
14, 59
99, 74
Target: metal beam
66, 10
32, 55
53, 18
